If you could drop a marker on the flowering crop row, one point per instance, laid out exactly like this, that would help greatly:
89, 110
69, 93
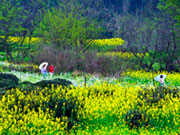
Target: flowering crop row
98, 109
172, 79
27, 40
99, 42
108, 42
121, 54
18, 67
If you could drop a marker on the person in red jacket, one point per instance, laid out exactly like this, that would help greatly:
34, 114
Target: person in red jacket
51, 70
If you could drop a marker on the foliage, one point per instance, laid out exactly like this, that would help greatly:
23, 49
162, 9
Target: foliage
67, 30
6, 84
8, 18
56, 82
17, 21
136, 118
155, 95
107, 44
9, 77
172, 8
5, 66
40, 111
156, 66
89, 62
154, 37
7, 81
120, 54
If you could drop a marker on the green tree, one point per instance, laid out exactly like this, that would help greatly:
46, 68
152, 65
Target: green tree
153, 38
140, 37
31, 16
65, 28
18, 19
10, 14
172, 9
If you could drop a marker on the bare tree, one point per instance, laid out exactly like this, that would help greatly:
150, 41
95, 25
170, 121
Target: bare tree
150, 40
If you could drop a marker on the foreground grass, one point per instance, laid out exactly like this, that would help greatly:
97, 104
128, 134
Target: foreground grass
97, 109
104, 106
140, 78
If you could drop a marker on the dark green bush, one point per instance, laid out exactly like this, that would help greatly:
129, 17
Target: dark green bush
55, 83
68, 109
6, 84
7, 81
58, 103
100, 92
136, 118
9, 76
152, 96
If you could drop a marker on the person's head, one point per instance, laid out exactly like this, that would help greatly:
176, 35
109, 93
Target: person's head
50, 65
161, 76
44, 66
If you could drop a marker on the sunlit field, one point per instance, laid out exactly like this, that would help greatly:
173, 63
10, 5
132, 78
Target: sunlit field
77, 67
27, 40
98, 42
131, 104
121, 54
108, 42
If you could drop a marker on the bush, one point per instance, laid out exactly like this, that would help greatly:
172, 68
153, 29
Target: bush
89, 62
51, 101
7, 81
6, 84
152, 96
9, 76
56, 82
27, 87
136, 118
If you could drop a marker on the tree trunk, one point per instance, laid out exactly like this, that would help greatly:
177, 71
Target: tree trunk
7, 57
11, 57
126, 4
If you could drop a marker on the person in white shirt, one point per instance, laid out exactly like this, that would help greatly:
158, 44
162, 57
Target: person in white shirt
161, 80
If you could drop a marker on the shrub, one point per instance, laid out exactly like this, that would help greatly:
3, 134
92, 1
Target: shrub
9, 76
55, 83
89, 62
7, 81
152, 96
52, 101
6, 84
136, 118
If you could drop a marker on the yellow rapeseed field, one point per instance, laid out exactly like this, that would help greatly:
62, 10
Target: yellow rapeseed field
99, 42
27, 40
121, 54
101, 109
108, 42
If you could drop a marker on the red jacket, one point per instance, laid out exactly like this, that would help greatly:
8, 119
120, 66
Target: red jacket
51, 69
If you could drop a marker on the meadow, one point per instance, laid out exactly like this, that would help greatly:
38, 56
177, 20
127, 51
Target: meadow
106, 57
130, 104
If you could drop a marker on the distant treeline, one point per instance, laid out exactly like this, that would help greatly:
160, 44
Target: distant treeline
67, 27
103, 11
